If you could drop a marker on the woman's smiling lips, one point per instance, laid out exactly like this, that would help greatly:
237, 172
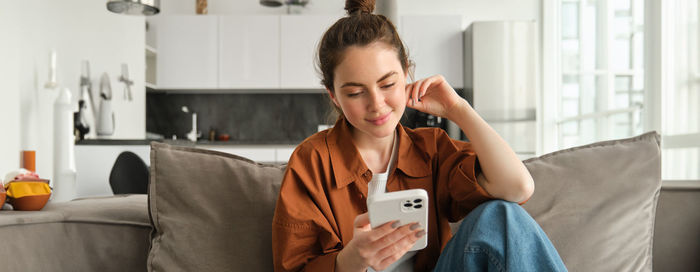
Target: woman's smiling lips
381, 120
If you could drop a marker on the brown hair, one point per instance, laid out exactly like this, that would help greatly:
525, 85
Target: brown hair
360, 28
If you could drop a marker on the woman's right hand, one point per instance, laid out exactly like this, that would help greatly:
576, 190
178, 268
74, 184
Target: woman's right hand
377, 248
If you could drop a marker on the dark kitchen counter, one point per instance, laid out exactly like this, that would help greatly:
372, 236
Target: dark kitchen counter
180, 142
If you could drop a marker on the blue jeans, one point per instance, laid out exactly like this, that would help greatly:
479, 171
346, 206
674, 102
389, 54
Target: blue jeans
499, 236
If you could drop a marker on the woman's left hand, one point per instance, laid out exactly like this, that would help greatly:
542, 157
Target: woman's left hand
432, 95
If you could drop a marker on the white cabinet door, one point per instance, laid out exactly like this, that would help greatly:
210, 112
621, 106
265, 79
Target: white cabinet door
284, 153
255, 153
187, 52
435, 44
249, 52
300, 36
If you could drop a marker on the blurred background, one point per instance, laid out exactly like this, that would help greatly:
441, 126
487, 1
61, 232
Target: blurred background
238, 76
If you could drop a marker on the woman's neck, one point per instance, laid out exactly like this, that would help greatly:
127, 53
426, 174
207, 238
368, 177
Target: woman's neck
376, 152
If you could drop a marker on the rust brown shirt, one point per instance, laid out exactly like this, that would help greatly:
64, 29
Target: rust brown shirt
325, 187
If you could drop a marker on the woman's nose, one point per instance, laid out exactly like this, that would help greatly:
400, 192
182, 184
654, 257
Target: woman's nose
376, 99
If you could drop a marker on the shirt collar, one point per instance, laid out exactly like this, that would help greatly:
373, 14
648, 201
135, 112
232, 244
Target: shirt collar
347, 162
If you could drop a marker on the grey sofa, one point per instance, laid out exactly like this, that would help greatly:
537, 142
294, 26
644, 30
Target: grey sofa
115, 233
112, 234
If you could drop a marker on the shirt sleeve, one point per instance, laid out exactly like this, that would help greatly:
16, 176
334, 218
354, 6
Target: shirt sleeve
458, 191
302, 239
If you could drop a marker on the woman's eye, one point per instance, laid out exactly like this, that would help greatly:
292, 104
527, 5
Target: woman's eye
354, 94
388, 86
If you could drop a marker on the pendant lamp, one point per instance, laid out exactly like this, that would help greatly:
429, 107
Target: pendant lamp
134, 7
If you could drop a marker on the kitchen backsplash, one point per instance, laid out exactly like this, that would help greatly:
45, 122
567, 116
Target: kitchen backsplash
270, 118
247, 118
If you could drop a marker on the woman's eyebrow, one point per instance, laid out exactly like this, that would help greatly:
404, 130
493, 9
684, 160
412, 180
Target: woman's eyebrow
362, 85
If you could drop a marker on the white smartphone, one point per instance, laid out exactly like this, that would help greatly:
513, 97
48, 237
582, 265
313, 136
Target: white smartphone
407, 206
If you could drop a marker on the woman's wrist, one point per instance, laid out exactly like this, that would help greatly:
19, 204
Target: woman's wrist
459, 111
344, 265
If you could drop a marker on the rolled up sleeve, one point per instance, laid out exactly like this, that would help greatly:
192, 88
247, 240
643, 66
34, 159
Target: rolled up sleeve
458, 191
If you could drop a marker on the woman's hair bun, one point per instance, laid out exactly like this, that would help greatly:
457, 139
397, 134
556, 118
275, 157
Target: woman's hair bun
361, 6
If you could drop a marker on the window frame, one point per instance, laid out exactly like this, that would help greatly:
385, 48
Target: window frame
605, 93
658, 19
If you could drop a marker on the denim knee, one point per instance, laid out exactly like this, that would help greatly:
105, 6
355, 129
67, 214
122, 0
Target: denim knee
493, 209
498, 205
493, 237
492, 218
502, 208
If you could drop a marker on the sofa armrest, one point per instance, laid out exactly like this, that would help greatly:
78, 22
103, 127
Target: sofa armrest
92, 234
677, 227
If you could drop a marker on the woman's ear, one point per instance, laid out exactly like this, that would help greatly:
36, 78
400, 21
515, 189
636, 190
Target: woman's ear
331, 94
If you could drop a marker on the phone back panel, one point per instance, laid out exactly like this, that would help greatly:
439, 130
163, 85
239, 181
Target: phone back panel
407, 206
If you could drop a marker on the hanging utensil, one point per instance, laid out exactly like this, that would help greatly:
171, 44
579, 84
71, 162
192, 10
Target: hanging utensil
105, 87
127, 82
105, 125
134, 7
52, 84
88, 109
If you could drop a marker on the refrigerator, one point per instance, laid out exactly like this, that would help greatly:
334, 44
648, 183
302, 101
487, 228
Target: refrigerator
501, 79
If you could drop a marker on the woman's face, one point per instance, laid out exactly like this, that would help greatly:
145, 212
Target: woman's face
370, 89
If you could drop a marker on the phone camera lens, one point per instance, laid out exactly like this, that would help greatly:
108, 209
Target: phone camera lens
418, 200
418, 206
407, 205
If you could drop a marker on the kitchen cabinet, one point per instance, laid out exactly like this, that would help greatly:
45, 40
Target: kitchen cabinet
279, 52
249, 52
435, 44
299, 38
94, 162
282, 154
187, 52
255, 153
258, 153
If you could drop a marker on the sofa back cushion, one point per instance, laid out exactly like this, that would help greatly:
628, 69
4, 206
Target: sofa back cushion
211, 211
597, 202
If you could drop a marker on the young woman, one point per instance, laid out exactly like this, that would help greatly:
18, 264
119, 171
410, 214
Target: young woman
321, 221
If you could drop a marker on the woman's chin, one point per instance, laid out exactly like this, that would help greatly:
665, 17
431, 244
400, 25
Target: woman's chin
382, 131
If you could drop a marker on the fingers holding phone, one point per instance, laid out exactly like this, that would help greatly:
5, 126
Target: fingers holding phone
379, 247
396, 244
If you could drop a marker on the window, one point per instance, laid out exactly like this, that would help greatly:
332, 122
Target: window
681, 94
595, 86
602, 70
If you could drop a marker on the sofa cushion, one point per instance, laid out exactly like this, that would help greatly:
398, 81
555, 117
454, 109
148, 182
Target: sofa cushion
211, 211
597, 202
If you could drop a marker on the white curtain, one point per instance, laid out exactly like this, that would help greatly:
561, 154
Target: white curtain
681, 102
